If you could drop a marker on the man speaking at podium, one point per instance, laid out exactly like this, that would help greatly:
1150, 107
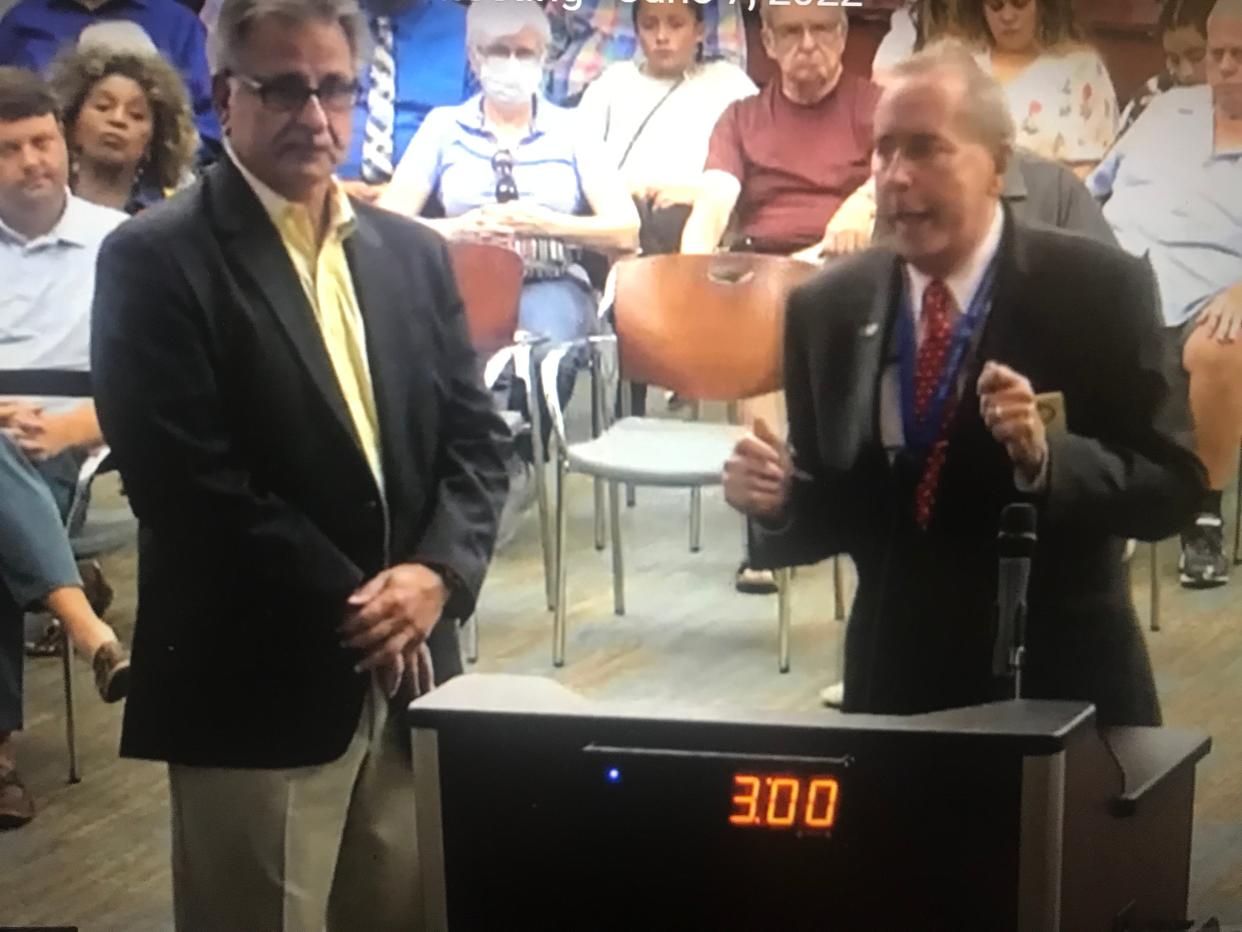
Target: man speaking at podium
911, 377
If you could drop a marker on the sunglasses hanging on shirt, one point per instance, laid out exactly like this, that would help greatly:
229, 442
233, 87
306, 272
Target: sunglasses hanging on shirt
506, 186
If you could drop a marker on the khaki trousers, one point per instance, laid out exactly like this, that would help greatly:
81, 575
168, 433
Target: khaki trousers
303, 849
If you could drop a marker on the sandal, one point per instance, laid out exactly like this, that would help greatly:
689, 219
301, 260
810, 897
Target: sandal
16, 804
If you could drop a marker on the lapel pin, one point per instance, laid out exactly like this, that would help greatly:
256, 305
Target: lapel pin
871, 329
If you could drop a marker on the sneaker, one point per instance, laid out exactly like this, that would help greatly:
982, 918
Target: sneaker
754, 582
111, 665
832, 696
1203, 564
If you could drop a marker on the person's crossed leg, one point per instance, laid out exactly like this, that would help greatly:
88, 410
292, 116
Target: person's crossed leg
38, 571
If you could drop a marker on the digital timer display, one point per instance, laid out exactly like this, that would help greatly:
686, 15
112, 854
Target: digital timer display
784, 801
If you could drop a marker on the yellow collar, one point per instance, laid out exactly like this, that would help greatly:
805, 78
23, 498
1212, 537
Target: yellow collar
280, 209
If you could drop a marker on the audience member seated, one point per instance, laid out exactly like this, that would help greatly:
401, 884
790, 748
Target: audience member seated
1183, 36
510, 167
48, 243
418, 61
1174, 194
1060, 94
35, 31
590, 35
785, 159
655, 115
129, 125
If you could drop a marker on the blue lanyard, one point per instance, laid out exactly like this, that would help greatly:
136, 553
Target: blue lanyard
920, 434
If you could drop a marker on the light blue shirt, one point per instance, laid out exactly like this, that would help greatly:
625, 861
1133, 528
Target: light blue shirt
1176, 201
453, 152
47, 286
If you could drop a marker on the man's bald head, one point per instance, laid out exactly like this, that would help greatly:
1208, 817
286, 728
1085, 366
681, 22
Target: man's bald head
1224, 57
1224, 9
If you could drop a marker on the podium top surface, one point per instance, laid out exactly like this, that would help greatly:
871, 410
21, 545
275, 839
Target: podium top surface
1029, 726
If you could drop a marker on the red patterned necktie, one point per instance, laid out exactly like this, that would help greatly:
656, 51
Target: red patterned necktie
937, 327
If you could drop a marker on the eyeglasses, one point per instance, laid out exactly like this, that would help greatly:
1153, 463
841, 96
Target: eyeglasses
506, 187
288, 93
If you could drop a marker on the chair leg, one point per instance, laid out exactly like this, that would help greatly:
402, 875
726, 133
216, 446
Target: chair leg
783, 596
626, 395
1154, 560
545, 535
558, 616
599, 515
541, 501
838, 589
696, 519
472, 638
71, 730
618, 560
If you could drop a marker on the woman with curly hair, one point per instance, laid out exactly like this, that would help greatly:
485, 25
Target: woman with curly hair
1059, 91
128, 122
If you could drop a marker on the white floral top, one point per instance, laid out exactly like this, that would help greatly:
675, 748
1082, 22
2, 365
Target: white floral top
1063, 105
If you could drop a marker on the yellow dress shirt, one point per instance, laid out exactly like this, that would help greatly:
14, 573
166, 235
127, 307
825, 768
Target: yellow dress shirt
324, 273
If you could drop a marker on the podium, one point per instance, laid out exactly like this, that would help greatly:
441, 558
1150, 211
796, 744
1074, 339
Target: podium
540, 809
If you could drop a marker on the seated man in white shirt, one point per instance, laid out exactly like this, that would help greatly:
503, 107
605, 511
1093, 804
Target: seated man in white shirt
49, 240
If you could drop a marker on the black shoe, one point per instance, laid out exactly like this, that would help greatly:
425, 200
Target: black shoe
111, 665
1203, 563
754, 582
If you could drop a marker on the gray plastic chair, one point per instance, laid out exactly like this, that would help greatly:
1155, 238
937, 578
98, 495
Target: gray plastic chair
706, 327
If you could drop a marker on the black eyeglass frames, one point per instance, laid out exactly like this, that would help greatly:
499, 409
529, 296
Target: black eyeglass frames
289, 93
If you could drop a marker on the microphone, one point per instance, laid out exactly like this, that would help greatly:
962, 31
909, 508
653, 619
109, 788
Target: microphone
1016, 540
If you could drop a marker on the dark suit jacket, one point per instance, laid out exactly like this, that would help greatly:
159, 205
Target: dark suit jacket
1072, 315
258, 512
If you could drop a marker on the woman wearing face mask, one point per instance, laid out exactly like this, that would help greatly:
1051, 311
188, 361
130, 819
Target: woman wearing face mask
1060, 94
509, 166
1183, 36
128, 123
655, 115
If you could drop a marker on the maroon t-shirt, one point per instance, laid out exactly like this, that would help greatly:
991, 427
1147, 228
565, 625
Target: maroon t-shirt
796, 163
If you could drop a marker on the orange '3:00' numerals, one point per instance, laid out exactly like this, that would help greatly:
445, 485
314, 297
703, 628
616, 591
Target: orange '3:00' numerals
784, 801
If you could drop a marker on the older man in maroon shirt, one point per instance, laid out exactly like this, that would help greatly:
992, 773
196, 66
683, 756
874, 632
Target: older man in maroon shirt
784, 160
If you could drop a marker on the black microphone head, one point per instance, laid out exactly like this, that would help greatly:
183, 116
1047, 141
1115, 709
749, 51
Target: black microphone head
1017, 530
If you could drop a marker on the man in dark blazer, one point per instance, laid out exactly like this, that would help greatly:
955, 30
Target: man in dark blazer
286, 381
911, 376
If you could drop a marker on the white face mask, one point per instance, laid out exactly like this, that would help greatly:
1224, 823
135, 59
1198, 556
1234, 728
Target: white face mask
509, 81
